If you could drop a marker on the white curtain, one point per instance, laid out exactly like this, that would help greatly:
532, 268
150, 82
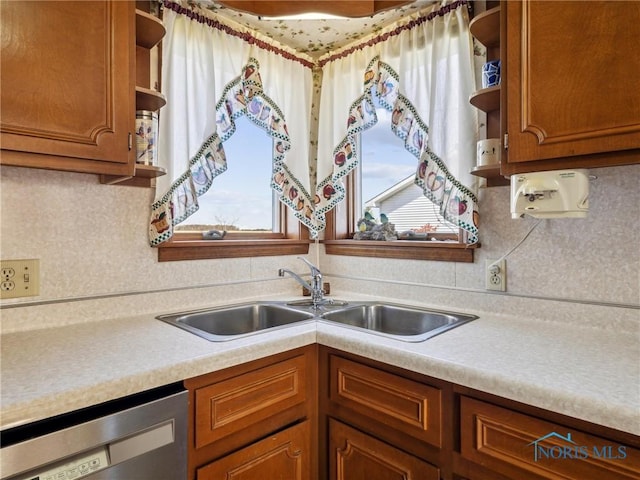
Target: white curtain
422, 70
211, 74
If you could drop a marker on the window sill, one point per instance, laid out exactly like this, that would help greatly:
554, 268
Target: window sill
402, 249
207, 249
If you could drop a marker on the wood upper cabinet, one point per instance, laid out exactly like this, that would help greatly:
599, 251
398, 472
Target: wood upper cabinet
68, 85
571, 77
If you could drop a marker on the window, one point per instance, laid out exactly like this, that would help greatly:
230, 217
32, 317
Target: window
242, 203
241, 200
212, 76
293, 76
387, 183
341, 223
383, 183
423, 70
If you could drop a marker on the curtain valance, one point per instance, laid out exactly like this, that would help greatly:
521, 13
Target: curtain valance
422, 71
210, 78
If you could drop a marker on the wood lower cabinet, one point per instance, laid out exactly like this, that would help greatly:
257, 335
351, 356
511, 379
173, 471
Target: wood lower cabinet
528, 448
354, 455
286, 455
249, 410
229, 406
408, 406
68, 85
570, 84
318, 413
380, 422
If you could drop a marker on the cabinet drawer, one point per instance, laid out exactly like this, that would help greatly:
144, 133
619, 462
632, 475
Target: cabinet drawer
356, 455
234, 404
397, 402
525, 447
285, 455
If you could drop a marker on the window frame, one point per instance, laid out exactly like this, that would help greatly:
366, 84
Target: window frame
341, 224
293, 239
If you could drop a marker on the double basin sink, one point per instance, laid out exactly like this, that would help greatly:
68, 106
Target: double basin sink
400, 322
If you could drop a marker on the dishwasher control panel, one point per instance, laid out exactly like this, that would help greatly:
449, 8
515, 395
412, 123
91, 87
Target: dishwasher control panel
81, 466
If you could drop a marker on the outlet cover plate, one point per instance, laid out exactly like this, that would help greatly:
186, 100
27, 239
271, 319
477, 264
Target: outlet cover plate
19, 278
496, 278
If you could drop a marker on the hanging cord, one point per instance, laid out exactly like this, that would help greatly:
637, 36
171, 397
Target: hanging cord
533, 227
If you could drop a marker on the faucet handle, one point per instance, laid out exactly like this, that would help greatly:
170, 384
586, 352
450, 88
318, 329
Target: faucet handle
314, 270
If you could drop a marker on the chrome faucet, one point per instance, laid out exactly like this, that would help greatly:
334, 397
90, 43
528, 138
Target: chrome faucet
317, 294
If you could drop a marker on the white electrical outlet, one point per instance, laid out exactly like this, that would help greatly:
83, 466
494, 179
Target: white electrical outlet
496, 275
19, 278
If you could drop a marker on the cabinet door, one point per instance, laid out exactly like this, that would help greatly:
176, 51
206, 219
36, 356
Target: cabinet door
572, 94
285, 455
527, 448
68, 89
354, 455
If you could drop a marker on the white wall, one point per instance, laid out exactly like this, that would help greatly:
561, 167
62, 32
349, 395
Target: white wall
91, 240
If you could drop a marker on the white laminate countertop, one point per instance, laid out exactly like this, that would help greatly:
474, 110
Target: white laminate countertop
584, 372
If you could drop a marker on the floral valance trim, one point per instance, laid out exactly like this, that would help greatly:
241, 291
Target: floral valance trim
242, 96
457, 203
246, 36
392, 33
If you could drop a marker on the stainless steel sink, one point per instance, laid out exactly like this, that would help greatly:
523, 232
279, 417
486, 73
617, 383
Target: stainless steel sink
236, 321
400, 322
410, 324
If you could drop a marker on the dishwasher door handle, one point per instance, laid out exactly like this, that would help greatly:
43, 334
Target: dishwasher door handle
143, 436
141, 443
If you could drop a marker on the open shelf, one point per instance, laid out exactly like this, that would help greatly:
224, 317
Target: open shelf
144, 176
147, 99
492, 174
149, 30
485, 27
487, 99
149, 33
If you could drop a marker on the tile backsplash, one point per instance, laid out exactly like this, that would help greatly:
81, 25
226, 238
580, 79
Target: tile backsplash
91, 240
596, 259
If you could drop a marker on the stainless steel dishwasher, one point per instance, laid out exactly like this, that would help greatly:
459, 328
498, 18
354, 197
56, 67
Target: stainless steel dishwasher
141, 437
